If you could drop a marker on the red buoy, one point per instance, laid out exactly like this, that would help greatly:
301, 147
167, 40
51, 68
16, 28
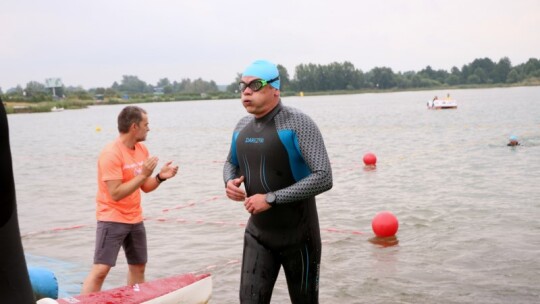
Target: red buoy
370, 159
385, 224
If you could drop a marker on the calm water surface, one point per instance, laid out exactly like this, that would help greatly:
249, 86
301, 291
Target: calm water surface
467, 204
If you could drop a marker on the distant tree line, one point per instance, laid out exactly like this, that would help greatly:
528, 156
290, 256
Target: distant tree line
344, 76
307, 77
129, 87
133, 85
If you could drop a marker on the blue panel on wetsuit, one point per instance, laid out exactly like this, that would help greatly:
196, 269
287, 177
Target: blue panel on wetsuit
234, 159
298, 165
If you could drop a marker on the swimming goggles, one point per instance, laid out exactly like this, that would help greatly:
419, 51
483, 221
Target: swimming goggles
255, 85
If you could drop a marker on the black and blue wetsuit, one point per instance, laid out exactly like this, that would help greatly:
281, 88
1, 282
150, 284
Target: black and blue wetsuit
282, 152
15, 284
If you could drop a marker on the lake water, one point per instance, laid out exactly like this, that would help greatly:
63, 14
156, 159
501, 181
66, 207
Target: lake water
467, 204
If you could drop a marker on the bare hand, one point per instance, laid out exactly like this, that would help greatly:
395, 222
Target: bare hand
256, 204
233, 190
168, 170
149, 165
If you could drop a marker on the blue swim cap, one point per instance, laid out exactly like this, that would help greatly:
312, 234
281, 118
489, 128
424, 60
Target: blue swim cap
264, 70
513, 138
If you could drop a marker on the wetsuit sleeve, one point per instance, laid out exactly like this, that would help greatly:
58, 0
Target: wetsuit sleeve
310, 145
231, 169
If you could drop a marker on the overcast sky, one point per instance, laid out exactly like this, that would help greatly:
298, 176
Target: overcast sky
92, 43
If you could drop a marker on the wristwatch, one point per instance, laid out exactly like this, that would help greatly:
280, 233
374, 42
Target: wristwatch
159, 179
270, 198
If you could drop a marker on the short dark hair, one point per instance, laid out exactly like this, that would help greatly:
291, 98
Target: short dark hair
128, 116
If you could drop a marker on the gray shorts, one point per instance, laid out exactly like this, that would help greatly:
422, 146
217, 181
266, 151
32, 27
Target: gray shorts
110, 236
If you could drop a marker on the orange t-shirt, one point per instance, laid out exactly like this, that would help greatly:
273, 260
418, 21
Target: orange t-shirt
118, 162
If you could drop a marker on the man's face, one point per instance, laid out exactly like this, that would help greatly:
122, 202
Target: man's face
142, 128
260, 102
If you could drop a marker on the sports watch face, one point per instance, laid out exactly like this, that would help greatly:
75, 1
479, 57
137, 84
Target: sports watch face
270, 197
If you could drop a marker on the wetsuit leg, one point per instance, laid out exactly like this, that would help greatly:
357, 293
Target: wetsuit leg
260, 268
302, 265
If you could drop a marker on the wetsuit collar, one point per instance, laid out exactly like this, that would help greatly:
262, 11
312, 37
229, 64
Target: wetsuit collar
266, 118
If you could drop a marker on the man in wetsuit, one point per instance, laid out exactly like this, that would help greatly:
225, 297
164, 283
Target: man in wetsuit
279, 155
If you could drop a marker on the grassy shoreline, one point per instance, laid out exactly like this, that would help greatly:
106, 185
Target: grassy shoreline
533, 83
14, 107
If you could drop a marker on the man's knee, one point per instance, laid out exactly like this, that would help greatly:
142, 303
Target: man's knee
137, 268
100, 271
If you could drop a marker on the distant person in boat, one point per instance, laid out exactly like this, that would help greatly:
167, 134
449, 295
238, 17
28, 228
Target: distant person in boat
124, 168
278, 153
513, 141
